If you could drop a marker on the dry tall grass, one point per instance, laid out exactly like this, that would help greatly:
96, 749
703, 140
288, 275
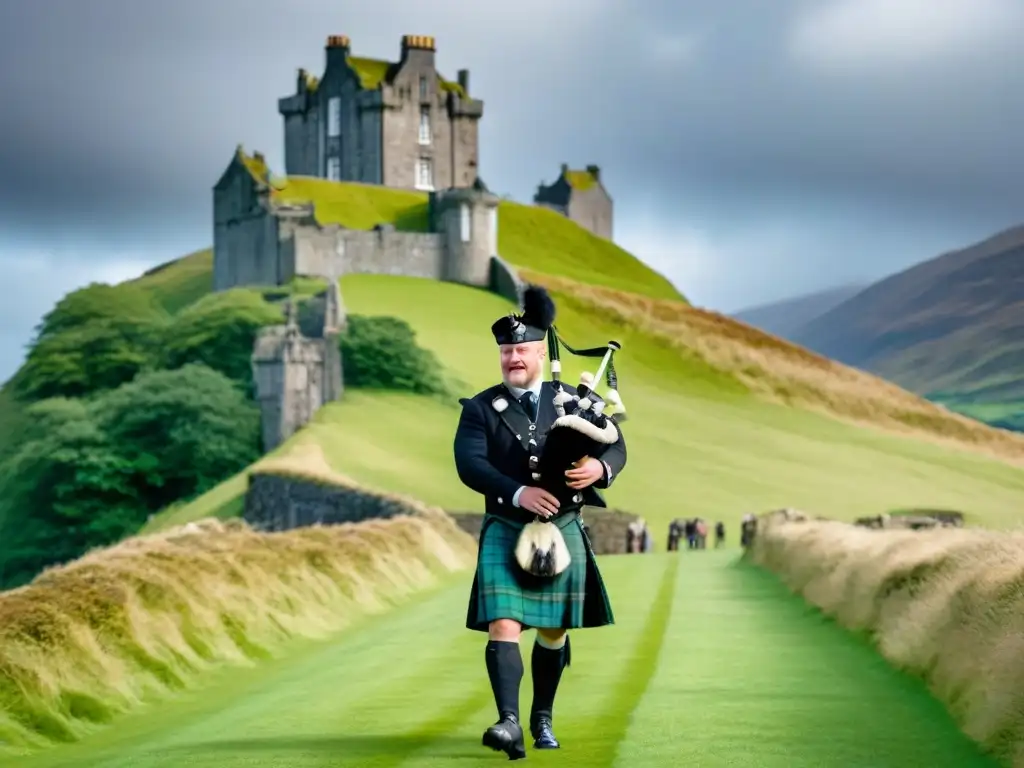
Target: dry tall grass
780, 371
92, 639
945, 604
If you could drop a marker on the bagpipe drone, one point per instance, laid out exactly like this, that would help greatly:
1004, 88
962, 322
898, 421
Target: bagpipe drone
586, 426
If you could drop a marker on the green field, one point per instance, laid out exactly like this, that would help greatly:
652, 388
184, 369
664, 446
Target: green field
698, 442
710, 663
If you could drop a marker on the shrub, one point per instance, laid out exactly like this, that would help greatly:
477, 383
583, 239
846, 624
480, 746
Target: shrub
382, 353
89, 472
218, 331
94, 339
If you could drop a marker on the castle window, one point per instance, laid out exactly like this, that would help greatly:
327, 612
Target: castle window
334, 116
334, 168
424, 125
493, 233
464, 215
423, 88
424, 174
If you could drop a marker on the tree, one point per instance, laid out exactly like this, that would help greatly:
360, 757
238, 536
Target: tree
127, 303
64, 491
219, 331
382, 353
181, 431
95, 338
90, 472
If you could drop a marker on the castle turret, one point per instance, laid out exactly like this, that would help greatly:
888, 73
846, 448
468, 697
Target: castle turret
288, 374
467, 219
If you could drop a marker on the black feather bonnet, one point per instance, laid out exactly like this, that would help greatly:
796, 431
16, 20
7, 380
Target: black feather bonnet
532, 325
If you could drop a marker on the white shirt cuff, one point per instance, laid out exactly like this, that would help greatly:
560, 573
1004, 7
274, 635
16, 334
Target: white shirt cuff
515, 496
607, 472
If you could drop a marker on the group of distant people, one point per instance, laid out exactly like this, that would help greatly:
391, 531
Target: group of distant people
638, 537
695, 531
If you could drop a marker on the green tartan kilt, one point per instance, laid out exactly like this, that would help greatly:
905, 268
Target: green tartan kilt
501, 589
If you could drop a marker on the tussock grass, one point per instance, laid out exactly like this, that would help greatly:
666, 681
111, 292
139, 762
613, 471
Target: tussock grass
776, 370
945, 604
145, 618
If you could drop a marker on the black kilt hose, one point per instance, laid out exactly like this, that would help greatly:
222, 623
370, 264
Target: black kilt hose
492, 450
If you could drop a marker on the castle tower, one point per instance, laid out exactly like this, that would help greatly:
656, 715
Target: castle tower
288, 373
379, 121
580, 196
467, 219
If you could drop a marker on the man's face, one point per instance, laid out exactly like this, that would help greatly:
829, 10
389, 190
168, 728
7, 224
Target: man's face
522, 364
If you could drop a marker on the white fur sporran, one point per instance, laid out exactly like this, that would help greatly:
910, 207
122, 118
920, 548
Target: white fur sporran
541, 549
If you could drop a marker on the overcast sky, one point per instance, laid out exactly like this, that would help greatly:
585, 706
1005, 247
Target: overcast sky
755, 149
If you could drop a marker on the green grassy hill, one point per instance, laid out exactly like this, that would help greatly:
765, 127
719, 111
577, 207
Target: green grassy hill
724, 419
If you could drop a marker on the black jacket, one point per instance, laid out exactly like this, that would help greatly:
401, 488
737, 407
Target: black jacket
492, 458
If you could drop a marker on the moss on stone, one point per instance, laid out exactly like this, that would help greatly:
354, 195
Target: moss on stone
374, 72
371, 72
580, 181
255, 164
447, 85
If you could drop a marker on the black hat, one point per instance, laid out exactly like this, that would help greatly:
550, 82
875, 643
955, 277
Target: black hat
538, 316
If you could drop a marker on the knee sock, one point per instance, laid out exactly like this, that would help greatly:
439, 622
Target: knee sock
546, 665
505, 669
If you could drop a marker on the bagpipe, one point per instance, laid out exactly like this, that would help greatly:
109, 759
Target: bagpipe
586, 426
586, 423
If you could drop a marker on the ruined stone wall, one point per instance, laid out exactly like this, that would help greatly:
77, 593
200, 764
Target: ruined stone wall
382, 251
279, 503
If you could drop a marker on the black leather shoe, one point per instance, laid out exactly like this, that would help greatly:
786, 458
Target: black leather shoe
543, 737
506, 736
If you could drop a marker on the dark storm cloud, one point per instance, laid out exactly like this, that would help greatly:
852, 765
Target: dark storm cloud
754, 149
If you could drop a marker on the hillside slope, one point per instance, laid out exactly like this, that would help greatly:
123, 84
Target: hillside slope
951, 327
786, 318
724, 419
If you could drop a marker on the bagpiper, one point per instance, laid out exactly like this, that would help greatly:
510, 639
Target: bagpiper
500, 434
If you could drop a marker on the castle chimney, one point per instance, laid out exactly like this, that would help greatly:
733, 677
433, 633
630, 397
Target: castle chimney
464, 80
337, 49
565, 168
301, 81
594, 171
419, 47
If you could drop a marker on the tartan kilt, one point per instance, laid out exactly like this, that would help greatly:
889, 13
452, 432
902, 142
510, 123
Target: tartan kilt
575, 598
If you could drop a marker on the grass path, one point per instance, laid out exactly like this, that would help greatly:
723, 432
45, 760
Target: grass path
711, 663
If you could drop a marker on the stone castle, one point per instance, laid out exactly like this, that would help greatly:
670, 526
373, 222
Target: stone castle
393, 124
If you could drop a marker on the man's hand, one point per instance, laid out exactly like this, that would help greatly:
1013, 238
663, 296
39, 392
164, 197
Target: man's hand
538, 501
585, 472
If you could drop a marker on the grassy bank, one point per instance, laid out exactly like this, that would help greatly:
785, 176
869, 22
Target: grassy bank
146, 618
946, 605
710, 663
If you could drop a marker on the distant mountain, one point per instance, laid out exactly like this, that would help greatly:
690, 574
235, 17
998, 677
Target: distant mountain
785, 318
951, 328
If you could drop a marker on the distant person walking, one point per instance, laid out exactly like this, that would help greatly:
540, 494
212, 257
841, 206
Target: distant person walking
719, 534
